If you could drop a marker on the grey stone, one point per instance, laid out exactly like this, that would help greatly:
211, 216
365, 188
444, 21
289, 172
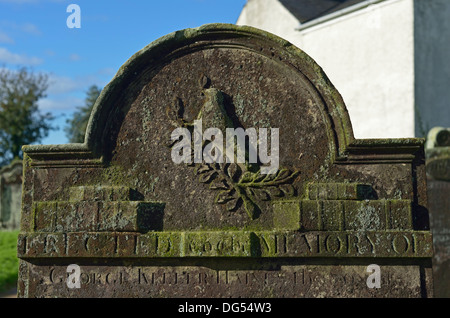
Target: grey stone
438, 172
140, 225
10, 195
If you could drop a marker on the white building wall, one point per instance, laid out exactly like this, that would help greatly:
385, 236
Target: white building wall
368, 55
271, 16
432, 64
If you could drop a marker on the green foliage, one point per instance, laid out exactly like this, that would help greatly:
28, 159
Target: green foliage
9, 263
21, 122
76, 128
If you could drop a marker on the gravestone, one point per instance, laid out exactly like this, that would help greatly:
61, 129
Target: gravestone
438, 175
138, 224
10, 195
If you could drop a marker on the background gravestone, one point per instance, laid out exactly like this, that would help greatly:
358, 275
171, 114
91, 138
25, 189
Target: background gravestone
10, 195
438, 174
139, 225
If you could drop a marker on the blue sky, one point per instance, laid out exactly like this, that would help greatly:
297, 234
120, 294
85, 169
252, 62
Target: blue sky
34, 33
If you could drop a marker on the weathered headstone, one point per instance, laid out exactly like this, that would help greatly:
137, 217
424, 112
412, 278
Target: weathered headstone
438, 184
10, 195
140, 225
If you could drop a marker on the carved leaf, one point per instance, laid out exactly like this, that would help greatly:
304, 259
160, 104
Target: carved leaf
283, 174
251, 208
219, 184
258, 177
202, 168
287, 189
262, 194
232, 204
274, 191
207, 176
246, 177
224, 196
233, 171
269, 177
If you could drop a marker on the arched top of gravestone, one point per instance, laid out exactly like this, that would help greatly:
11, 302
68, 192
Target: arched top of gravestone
154, 57
245, 50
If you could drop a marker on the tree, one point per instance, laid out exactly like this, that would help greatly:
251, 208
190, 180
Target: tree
21, 122
76, 128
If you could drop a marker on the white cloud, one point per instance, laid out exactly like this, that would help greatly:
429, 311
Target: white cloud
64, 85
66, 93
74, 57
62, 103
4, 38
17, 59
50, 53
107, 71
28, 27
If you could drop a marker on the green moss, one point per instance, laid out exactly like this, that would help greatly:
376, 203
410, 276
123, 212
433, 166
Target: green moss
9, 263
153, 183
286, 215
115, 175
222, 244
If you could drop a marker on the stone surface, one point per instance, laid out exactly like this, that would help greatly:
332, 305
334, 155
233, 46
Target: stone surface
438, 172
10, 195
246, 279
140, 225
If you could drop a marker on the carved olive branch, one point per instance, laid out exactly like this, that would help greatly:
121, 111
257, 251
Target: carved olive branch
247, 187
236, 183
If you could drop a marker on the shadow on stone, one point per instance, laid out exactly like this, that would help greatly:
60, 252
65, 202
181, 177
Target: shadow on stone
150, 216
